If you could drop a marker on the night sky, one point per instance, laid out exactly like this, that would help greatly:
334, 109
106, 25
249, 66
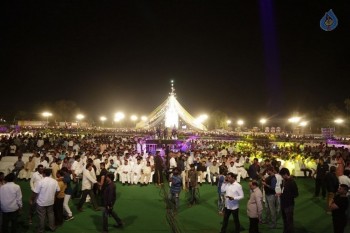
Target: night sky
246, 58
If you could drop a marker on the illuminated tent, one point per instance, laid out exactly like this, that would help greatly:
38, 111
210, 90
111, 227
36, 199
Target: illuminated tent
169, 112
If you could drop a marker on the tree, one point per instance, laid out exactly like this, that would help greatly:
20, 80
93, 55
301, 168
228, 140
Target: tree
328, 115
217, 120
65, 110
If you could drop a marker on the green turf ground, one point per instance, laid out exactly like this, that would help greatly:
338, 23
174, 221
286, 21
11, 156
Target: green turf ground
143, 210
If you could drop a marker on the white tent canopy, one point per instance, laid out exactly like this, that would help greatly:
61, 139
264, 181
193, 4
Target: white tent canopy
169, 112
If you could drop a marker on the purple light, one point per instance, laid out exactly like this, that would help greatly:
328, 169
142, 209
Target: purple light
271, 58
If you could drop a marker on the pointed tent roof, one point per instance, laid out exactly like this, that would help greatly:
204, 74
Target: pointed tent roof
169, 112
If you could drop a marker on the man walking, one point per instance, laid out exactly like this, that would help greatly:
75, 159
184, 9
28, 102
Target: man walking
88, 181
234, 193
109, 197
289, 192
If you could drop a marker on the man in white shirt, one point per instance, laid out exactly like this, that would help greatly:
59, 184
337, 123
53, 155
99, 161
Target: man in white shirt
10, 202
87, 185
345, 179
234, 193
232, 168
77, 170
136, 172
146, 174
40, 142
36, 177
125, 172
44, 162
45, 192
97, 162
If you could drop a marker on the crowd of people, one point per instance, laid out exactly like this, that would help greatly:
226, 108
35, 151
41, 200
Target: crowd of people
64, 166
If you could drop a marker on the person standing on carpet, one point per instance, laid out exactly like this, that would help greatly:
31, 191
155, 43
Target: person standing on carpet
339, 206
234, 193
58, 205
158, 167
269, 184
192, 184
36, 177
289, 193
175, 188
10, 203
45, 192
109, 198
254, 206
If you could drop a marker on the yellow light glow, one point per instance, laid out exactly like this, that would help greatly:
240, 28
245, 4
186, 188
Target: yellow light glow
80, 117
46, 114
228, 122
201, 119
338, 121
144, 118
294, 119
263, 121
303, 123
119, 116
171, 114
103, 118
133, 118
240, 122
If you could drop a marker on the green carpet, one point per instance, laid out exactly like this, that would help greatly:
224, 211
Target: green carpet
143, 210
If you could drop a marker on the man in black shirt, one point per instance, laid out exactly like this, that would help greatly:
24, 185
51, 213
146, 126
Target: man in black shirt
158, 166
254, 170
321, 170
289, 192
102, 180
332, 185
223, 168
109, 197
339, 207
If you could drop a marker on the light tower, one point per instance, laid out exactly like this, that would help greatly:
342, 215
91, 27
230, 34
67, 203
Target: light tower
171, 114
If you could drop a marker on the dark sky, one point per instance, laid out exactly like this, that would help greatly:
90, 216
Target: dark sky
241, 57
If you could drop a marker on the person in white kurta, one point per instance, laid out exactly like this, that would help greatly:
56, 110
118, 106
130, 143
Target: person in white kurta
232, 168
146, 174
136, 172
125, 172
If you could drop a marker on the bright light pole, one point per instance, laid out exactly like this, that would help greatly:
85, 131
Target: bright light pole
79, 117
240, 123
103, 119
228, 122
119, 116
303, 124
338, 121
47, 115
262, 122
294, 120
133, 118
